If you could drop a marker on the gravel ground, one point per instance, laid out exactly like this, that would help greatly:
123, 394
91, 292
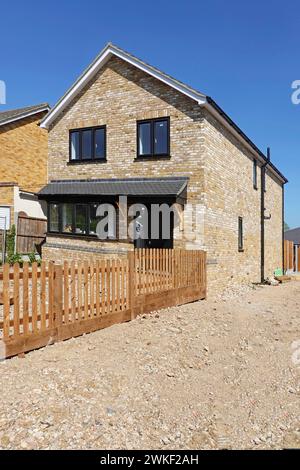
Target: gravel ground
222, 373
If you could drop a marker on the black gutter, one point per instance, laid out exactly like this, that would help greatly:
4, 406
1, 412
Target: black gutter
241, 133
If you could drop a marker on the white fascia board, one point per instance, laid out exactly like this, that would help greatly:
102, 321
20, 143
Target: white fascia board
162, 77
240, 138
23, 116
100, 62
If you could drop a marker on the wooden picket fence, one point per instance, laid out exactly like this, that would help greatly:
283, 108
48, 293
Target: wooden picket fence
55, 302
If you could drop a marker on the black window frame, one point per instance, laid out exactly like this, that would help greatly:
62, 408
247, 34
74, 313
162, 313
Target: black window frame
152, 143
93, 158
255, 179
73, 233
240, 234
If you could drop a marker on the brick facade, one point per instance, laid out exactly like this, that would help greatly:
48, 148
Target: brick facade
219, 168
23, 153
7, 197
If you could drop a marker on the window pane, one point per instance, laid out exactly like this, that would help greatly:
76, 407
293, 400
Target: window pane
75, 146
255, 174
241, 236
100, 143
161, 137
144, 138
93, 219
67, 218
87, 144
54, 218
80, 219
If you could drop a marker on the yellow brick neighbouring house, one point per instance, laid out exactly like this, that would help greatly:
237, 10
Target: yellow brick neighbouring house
23, 162
127, 129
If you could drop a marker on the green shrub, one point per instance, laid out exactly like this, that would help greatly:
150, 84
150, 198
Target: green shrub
33, 259
10, 241
14, 258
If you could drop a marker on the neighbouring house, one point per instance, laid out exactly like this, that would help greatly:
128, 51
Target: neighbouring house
23, 163
125, 128
293, 235
292, 249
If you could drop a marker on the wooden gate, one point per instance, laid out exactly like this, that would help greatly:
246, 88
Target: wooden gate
31, 232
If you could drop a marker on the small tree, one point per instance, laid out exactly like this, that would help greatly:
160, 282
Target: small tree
286, 227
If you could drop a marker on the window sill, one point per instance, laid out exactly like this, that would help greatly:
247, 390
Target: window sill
85, 237
77, 235
83, 162
152, 157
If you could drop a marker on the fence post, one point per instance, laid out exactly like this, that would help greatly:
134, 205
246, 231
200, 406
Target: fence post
6, 302
58, 296
204, 253
131, 282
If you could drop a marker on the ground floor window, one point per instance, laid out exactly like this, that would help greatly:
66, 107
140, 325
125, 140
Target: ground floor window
75, 218
148, 225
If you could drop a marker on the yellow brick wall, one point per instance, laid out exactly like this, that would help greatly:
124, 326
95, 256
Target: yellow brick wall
7, 199
23, 153
273, 226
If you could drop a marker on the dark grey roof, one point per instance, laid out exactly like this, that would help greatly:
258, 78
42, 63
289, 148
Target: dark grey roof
15, 114
293, 235
172, 187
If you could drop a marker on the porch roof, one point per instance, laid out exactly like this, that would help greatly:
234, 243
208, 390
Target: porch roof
172, 187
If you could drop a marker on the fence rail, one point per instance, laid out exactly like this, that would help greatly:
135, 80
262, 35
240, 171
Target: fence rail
55, 302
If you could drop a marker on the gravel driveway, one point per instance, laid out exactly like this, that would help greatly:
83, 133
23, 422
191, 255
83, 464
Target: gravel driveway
222, 373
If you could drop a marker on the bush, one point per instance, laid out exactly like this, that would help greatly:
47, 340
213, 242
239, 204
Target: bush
33, 259
10, 241
11, 256
14, 258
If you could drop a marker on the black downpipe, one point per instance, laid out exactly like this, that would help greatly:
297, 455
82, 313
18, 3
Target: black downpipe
283, 217
262, 223
262, 214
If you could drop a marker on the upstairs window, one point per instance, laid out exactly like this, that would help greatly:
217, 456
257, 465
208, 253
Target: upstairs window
88, 144
240, 234
255, 174
153, 138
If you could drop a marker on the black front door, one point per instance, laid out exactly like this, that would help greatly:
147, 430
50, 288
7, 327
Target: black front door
158, 241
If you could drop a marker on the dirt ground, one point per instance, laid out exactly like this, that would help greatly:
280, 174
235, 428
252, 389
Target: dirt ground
222, 373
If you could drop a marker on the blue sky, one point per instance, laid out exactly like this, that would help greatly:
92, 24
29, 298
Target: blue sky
243, 54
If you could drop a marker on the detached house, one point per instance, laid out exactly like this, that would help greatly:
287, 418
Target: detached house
127, 129
23, 162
